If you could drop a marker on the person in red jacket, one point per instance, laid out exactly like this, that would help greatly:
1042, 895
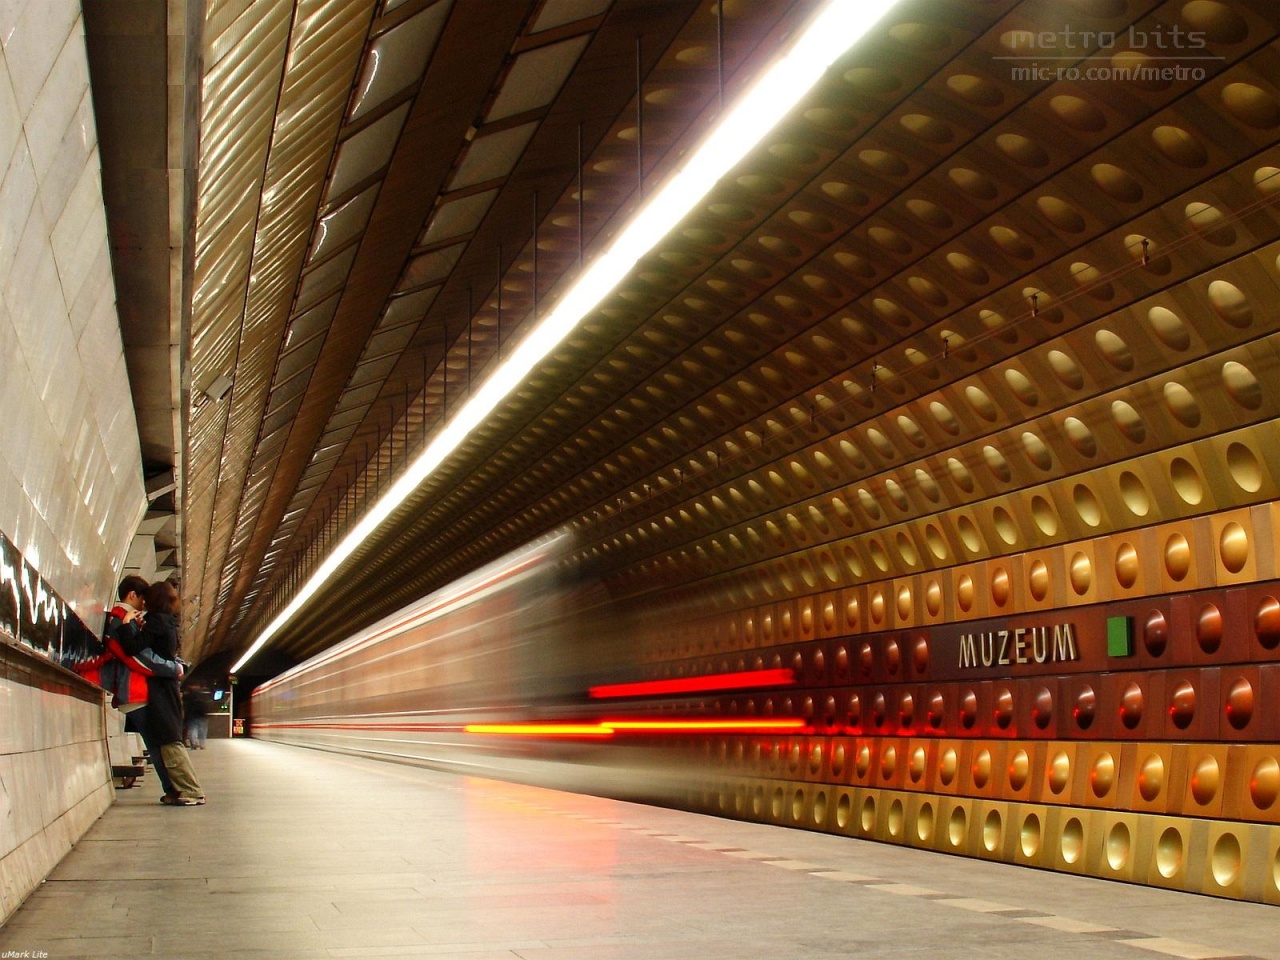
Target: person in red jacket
125, 664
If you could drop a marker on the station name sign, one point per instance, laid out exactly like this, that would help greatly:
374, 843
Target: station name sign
1002, 648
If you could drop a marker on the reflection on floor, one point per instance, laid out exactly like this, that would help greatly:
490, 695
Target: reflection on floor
301, 854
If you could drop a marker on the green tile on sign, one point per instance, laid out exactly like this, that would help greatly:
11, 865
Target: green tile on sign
1119, 637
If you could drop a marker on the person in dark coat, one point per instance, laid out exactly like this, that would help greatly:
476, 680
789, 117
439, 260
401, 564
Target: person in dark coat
164, 696
196, 705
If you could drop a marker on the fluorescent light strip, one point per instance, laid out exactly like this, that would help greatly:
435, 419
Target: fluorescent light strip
839, 25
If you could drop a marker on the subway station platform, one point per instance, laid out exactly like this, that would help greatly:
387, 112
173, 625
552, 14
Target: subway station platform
300, 854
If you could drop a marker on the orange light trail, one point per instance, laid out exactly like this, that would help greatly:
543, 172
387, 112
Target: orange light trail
541, 729
602, 729
607, 728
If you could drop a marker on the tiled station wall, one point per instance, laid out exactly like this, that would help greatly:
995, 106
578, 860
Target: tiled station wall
1152, 755
71, 488
1107, 462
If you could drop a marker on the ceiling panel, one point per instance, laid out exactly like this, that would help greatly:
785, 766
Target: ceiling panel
932, 280
395, 59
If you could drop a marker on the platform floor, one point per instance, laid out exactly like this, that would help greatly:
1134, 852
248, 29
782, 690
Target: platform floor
301, 854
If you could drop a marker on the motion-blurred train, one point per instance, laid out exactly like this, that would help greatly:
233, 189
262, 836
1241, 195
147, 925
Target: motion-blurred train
520, 670
1134, 739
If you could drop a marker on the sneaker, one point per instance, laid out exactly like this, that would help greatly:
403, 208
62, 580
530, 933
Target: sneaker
169, 799
187, 801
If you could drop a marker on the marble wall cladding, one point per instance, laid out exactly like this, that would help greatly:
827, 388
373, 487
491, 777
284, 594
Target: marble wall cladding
71, 488
55, 776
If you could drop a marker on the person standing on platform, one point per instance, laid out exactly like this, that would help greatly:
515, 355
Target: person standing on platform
125, 664
195, 704
164, 696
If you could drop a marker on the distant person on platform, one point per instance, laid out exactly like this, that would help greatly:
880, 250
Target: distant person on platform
164, 696
196, 705
125, 664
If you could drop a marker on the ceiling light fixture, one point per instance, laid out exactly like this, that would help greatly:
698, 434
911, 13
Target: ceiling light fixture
218, 389
832, 31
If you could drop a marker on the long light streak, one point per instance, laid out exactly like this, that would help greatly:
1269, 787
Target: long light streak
834, 29
741, 680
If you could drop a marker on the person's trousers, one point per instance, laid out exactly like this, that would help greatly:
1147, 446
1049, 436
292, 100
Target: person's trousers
135, 721
197, 732
183, 775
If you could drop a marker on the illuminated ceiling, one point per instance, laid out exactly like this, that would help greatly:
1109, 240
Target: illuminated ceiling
942, 282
